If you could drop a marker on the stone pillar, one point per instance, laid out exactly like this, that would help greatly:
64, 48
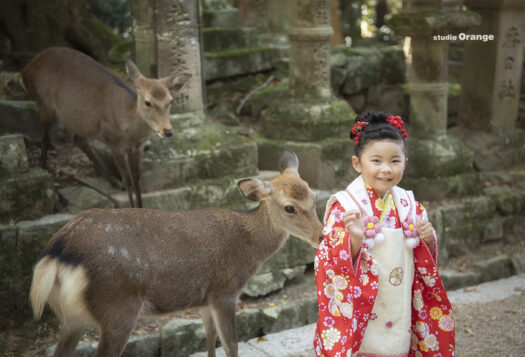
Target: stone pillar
428, 22
310, 36
305, 115
423, 20
166, 37
490, 83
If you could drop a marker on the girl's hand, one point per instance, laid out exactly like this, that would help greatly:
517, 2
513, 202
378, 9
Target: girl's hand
425, 231
354, 225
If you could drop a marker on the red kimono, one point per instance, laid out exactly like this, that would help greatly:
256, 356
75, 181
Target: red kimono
347, 290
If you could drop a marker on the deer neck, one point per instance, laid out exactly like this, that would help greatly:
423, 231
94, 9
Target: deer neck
266, 237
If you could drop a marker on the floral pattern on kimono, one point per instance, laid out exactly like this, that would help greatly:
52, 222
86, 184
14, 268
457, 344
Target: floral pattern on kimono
347, 290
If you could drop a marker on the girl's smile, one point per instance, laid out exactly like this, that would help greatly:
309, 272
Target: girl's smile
382, 163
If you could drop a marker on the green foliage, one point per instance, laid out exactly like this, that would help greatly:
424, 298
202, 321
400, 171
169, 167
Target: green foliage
115, 13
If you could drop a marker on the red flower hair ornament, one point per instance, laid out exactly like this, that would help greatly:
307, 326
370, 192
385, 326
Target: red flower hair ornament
394, 120
356, 130
398, 123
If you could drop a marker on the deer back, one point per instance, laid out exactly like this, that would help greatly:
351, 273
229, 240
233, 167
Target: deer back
93, 102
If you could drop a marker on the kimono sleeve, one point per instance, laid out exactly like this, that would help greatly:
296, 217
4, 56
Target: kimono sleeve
345, 295
422, 215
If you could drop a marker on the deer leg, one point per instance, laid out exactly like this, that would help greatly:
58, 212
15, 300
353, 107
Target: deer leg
223, 312
122, 164
46, 142
133, 166
211, 331
116, 320
47, 117
83, 144
113, 338
67, 341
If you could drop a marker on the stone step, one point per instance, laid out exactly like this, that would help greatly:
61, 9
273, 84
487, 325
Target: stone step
206, 152
13, 155
220, 192
21, 116
182, 337
221, 18
20, 246
226, 39
230, 63
25, 193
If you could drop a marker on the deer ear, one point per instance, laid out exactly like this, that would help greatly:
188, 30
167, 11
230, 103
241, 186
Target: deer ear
177, 81
254, 189
289, 160
132, 70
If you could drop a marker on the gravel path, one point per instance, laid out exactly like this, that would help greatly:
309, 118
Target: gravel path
490, 321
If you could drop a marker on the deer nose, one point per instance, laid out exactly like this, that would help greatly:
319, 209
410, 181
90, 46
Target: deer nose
321, 239
168, 133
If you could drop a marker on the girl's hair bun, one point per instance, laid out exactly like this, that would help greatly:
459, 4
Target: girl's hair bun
375, 126
371, 118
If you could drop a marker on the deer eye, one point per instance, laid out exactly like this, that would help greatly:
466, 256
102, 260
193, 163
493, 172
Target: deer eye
148, 104
289, 209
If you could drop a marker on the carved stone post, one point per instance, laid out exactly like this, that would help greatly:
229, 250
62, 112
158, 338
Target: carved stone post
490, 83
310, 36
428, 22
427, 25
166, 37
305, 113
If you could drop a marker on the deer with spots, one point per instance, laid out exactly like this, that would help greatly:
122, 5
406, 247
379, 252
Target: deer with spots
107, 266
94, 104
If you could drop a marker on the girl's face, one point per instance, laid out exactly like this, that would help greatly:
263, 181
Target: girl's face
382, 163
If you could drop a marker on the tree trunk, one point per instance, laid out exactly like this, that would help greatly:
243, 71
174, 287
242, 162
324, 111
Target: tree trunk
337, 39
352, 18
33, 25
381, 12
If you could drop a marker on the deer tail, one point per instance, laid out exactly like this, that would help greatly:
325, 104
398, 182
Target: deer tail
43, 282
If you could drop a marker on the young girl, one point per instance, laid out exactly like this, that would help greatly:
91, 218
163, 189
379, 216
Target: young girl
378, 287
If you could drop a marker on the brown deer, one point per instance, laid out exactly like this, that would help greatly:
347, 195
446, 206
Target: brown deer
107, 266
95, 104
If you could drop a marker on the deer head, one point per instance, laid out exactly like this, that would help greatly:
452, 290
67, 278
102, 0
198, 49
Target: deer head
154, 99
288, 199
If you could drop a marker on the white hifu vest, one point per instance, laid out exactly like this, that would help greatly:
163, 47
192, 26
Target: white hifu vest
388, 335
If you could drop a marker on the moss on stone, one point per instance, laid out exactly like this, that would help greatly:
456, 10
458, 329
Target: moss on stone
26, 195
433, 188
316, 119
237, 52
211, 151
439, 157
222, 39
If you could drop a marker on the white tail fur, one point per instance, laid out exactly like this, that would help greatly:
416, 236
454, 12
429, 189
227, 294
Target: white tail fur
43, 281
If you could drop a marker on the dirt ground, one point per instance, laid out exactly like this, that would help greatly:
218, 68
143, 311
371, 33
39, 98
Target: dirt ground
491, 329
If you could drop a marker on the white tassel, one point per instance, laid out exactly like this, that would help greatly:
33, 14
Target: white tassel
370, 242
380, 237
412, 242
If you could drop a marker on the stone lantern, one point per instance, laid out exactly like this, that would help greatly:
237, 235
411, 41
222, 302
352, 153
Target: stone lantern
305, 114
430, 25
